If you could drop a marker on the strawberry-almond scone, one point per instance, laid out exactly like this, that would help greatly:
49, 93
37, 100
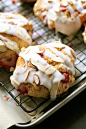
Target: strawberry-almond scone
15, 33
45, 70
65, 16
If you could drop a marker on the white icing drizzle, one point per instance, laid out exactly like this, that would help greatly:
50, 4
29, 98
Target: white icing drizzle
67, 61
14, 17
31, 53
70, 9
12, 24
17, 31
18, 22
70, 26
79, 6
66, 49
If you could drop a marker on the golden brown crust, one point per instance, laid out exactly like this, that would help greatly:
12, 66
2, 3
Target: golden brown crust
21, 43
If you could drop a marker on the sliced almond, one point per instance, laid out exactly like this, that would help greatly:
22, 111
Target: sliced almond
27, 52
64, 2
9, 45
51, 16
4, 28
57, 59
23, 49
50, 70
19, 32
1, 43
53, 89
27, 37
64, 19
38, 65
34, 61
73, 54
15, 81
11, 69
36, 79
33, 113
56, 7
41, 67
27, 74
16, 48
74, 2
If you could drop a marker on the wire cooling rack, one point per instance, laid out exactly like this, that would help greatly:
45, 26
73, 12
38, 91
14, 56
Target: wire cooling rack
42, 34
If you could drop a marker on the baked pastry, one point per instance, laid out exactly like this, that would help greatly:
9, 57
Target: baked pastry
65, 16
44, 70
15, 33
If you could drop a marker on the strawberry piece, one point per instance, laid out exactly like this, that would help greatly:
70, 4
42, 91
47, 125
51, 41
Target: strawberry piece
66, 77
43, 16
22, 89
53, 28
63, 8
71, 46
14, 1
9, 63
6, 98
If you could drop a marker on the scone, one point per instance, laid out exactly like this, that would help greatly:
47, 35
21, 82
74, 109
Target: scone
45, 70
15, 33
65, 16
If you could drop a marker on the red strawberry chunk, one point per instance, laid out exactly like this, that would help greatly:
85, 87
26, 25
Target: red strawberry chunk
53, 28
9, 63
63, 8
14, 1
22, 89
66, 77
43, 16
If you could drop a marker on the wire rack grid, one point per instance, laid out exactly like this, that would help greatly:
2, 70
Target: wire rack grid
42, 34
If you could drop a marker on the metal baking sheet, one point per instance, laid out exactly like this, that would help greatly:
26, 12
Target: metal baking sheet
42, 34
56, 105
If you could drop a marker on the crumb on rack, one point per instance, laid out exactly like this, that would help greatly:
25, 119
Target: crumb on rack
33, 43
6, 97
69, 36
